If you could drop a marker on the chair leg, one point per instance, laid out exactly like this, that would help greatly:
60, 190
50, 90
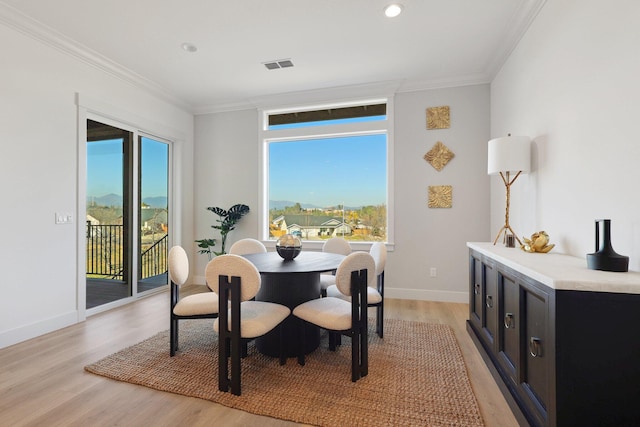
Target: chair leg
236, 360
283, 358
245, 350
333, 338
223, 363
364, 351
173, 337
379, 320
301, 344
355, 355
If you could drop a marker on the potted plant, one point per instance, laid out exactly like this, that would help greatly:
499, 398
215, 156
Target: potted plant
227, 220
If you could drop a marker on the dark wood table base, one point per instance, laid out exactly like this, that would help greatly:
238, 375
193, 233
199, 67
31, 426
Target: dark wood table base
290, 290
291, 283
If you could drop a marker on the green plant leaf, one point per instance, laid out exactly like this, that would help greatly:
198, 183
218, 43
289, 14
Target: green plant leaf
227, 221
218, 211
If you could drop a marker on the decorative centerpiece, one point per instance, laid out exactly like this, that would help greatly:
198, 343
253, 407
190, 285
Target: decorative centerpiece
539, 242
288, 247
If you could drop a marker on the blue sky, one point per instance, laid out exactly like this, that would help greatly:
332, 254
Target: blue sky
104, 168
331, 171
322, 172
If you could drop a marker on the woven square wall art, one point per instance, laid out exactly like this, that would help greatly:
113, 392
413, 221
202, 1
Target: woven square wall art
438, 117
440, 196
439, 156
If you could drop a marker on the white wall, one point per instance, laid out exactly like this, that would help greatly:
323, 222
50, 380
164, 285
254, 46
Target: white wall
226, 171
572, 85
39, 176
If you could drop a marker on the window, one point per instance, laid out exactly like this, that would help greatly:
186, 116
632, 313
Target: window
326, 172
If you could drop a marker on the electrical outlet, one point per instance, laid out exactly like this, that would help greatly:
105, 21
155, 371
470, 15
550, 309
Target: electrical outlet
433, 272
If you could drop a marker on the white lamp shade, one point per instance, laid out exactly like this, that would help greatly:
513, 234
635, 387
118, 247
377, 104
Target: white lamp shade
509, 154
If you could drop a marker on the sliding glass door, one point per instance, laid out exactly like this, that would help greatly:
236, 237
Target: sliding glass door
153, 213
127, 213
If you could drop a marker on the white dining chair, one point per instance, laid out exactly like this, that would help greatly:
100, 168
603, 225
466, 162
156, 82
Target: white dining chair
203, 305
335, 245
236, 281
247, 246
342, 317
375, 290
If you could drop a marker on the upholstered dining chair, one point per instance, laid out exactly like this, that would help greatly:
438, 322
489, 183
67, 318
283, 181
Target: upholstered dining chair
236, 281
334, 245
203, 305
341, 317
247, 246
375, 291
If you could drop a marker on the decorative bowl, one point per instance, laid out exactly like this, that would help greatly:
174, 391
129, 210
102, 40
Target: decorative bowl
288, 247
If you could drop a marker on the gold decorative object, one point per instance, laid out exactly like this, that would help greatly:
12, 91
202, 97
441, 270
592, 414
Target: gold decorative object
440, 196
439, 156
539, 242
438, 117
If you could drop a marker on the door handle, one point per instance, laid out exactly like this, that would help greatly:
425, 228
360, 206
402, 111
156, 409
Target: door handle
535, 347
508, 321
476, 289
489, 301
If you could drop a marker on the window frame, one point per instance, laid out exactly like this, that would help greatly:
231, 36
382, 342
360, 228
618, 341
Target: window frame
267, 136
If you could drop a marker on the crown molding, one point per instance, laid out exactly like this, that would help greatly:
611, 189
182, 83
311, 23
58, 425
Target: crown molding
345, 93
38, 31
445, 82
315, 96
521, 21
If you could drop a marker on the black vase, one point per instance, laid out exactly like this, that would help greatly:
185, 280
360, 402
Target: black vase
606, 258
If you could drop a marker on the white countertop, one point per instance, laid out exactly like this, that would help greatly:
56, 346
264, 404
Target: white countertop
560, 271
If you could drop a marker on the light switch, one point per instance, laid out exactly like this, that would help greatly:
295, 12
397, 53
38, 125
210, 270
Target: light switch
63, 218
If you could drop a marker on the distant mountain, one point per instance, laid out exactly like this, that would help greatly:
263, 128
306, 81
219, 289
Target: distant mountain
106, 200
281, 204
116, 200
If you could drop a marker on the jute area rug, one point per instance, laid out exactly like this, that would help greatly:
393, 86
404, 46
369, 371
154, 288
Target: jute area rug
417, 377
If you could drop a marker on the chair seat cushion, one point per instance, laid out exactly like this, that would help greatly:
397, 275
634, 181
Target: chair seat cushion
257, 318
328, 313
327, 280
197, 304
373, 296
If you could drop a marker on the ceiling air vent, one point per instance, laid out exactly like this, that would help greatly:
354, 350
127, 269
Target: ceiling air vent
280, 63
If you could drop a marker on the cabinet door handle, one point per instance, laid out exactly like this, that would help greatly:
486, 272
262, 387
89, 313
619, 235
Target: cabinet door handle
476, 289
489, 301
508, 321
535, 347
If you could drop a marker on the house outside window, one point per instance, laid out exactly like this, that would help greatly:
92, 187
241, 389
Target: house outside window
326, 172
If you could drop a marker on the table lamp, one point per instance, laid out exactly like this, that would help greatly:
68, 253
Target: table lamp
509, 155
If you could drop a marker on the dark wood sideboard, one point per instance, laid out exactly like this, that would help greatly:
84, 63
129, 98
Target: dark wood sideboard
562, 341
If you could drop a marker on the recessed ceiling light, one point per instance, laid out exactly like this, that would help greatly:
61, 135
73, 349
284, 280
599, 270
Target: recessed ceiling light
189, 47
393, 10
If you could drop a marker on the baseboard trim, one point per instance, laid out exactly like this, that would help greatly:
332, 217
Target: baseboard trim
426, 295
33, 330
403, 293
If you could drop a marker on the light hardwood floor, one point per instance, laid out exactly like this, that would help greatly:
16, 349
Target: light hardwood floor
43, 383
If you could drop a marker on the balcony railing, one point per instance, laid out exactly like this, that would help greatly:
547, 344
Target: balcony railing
153, 261
105, 254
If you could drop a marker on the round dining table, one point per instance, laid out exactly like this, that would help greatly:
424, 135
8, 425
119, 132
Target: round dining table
291, 283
